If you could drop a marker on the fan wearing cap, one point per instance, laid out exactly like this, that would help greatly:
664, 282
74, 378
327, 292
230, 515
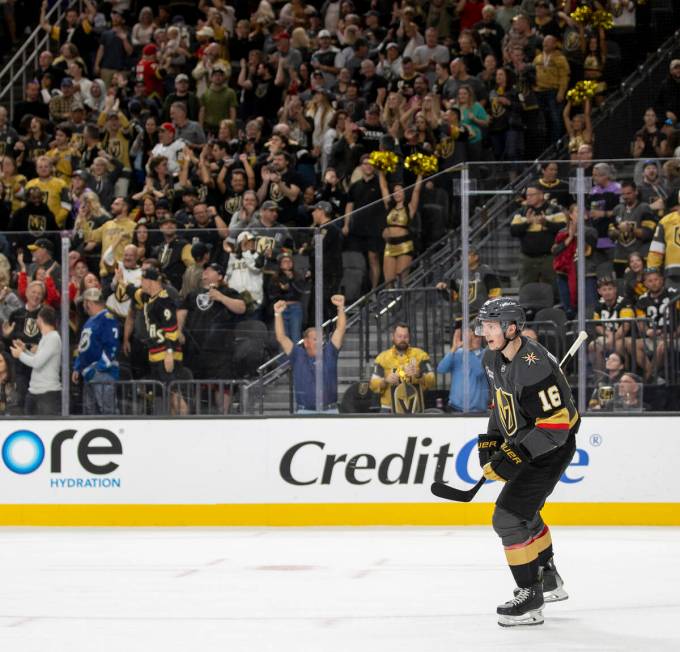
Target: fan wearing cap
281, 184
660, 306
611, 335
169, 147
174, 253
34, 220
149, 72
244, 269
181, 94
207, 318
97, 360
160, 319
53, 188
60, 105
63, 155
289, 58
43, 258
116, 143
323, 59
272, 238
77, 124
219, 102
204, 37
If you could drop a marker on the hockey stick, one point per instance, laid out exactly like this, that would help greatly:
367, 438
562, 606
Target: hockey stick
442, 490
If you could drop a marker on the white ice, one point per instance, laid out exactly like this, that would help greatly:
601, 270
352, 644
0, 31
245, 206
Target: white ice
327, 590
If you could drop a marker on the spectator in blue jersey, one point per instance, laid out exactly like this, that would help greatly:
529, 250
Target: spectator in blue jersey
97, 362
452, 363
302, 359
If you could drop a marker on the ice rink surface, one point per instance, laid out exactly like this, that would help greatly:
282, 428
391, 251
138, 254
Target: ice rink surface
326, 589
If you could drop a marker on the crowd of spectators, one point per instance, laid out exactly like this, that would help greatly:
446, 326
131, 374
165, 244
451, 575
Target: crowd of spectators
190, 150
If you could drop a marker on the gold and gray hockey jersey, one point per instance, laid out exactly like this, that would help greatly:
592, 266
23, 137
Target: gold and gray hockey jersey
532, 403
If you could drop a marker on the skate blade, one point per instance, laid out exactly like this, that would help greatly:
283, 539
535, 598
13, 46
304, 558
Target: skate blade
530, 618
558, 595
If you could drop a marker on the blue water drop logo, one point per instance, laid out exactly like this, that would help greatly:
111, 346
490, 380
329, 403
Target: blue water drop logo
23, 452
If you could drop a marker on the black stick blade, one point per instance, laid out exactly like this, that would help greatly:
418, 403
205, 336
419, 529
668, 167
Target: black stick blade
442, 490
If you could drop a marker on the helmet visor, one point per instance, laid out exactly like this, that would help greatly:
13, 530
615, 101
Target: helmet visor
488, 329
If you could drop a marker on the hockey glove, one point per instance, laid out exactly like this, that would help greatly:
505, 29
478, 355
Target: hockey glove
487, 445
505, 465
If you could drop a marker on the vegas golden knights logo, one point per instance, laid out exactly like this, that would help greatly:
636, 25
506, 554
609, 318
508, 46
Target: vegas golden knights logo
264, 243
37, 224
114, 148
472, 291
407, 399
232, 204
505, 411
676, 235
31, 327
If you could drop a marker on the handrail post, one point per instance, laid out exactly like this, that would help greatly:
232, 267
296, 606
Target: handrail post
65, 330
318, 315
581, 282
465, 280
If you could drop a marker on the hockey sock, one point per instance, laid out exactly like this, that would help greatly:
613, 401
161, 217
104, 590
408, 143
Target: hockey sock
523, 558
544, 546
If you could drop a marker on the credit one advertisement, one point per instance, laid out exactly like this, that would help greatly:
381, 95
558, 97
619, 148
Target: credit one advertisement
273, 461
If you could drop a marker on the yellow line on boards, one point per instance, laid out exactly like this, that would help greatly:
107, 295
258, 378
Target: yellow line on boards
328, 514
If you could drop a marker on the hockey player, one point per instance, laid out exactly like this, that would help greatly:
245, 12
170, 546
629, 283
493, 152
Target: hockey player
529, 442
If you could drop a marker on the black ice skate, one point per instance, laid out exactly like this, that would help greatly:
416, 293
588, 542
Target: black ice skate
553, 586
526, 608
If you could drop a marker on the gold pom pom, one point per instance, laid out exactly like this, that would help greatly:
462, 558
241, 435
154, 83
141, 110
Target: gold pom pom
584, 90
582, 15
602, 19
384, 161
421, 164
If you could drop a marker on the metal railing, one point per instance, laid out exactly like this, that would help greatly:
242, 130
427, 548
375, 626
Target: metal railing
21, 67
125, 398
179, 398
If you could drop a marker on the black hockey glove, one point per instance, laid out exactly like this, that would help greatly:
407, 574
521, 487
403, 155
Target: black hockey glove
487, 445
505, 465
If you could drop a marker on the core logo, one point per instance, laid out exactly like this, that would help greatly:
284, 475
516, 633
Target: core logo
23, 451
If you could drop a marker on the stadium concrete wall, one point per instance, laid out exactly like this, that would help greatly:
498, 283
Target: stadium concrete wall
314, 471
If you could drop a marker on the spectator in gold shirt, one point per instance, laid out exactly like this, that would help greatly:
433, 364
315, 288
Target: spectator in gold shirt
552, 80
401, 374
113, 235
